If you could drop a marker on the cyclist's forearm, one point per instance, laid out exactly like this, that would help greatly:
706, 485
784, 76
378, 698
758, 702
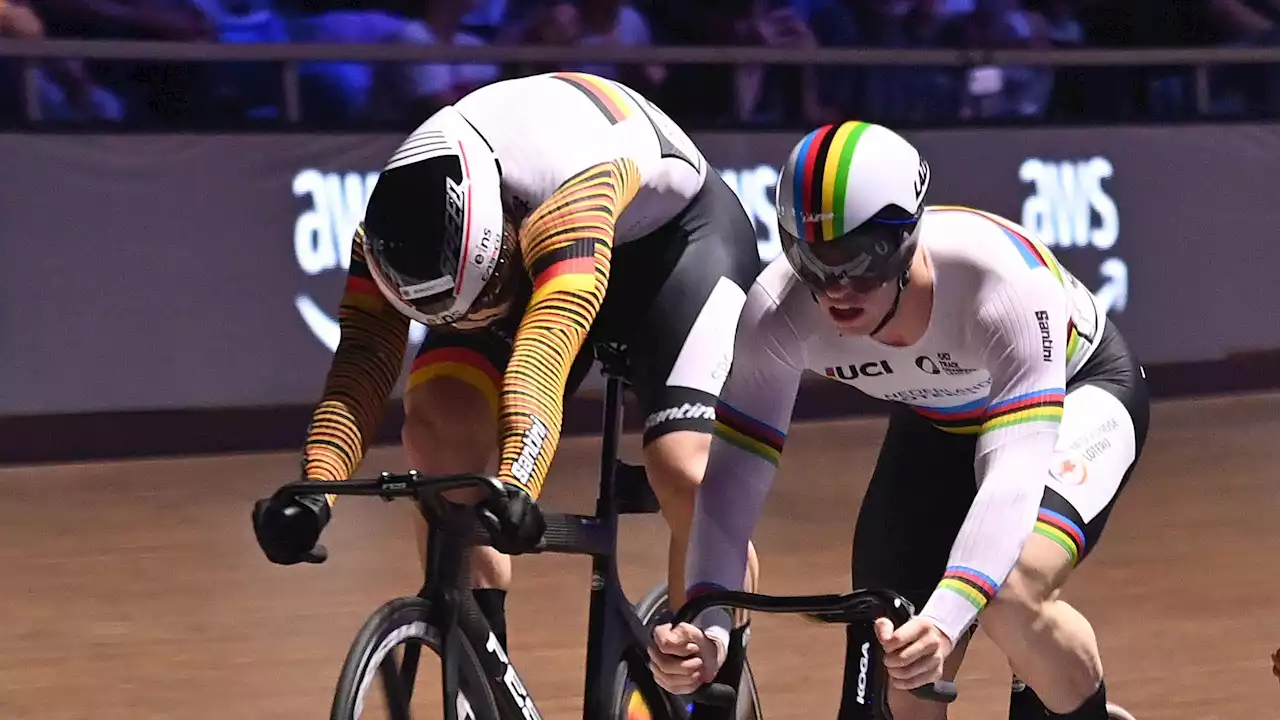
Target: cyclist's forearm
361, 376
752, 418
567, 245
996, 527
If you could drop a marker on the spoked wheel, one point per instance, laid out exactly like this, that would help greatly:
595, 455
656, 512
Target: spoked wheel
393, 670
628, 703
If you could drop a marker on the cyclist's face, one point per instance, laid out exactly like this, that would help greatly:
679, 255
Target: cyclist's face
857, 312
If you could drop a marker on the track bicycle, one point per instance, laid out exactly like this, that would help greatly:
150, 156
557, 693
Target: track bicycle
480, 682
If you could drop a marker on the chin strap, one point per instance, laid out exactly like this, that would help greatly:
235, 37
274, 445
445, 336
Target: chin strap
903, 280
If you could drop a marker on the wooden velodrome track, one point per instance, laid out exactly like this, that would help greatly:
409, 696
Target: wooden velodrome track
135, 589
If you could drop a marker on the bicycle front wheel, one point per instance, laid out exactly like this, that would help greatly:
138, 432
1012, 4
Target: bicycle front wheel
381, 675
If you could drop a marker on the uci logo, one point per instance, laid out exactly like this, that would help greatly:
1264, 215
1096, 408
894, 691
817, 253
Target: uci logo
866, 370
322, 234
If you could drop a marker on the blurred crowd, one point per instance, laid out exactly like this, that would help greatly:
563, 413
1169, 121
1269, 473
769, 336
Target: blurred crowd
169, 94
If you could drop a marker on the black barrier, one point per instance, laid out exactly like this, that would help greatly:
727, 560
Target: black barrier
193, 272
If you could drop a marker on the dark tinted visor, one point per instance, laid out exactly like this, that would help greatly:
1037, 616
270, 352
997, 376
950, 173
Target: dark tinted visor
429, 296
862, 259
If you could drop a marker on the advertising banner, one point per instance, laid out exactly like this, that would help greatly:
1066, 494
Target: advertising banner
194, 271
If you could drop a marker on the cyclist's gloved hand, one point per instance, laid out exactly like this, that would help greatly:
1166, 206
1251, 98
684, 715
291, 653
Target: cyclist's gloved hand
287, 530
513, 520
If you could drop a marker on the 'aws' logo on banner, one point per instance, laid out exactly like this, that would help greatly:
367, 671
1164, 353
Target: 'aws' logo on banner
1069, 208
335, 203
322, 237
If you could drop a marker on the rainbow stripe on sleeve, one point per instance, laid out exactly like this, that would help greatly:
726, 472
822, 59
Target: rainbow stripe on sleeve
1037, 406
973, 586
1034, 254
746, 433
1062, 530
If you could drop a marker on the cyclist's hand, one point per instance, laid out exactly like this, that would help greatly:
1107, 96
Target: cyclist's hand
287, 530
683, 658
513, 520
914, 654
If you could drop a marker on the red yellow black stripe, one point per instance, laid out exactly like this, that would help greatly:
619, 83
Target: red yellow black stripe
363, 371
569, 289
608, 99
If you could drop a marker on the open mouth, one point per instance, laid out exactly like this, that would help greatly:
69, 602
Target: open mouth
840, 314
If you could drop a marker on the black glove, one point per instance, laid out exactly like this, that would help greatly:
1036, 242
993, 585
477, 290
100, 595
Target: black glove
287, 530
513, 520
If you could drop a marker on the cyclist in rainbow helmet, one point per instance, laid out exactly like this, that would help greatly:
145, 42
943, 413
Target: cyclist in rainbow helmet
1008, 385
850, 235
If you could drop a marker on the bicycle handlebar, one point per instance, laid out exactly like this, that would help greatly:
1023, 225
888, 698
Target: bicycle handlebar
857, 606
390, 485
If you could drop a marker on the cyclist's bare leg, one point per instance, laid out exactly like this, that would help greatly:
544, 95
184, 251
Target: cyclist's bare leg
1049, 644
675, 463
450, 427
906, 706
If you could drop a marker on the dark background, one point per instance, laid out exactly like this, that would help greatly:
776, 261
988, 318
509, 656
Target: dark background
159, 273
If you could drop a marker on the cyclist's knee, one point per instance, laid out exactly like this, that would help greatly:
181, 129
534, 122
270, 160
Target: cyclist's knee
448, 427
675, 463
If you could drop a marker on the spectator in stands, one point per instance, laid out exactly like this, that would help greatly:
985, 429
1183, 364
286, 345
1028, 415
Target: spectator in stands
335, 91
1246, 23
487, 18
898, 94
66, 92
757, 95
410, 93
246, 89
16, 21
794, 94
991, 92
616, 23
152, 91
594, 23
553, 23
1063, 28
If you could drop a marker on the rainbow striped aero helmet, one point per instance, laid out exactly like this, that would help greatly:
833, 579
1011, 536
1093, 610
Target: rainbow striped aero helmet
849, 203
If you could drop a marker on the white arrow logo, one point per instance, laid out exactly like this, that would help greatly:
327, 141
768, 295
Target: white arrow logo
1114, 293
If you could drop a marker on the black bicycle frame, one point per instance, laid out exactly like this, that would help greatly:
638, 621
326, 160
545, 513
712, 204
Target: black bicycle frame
614, 632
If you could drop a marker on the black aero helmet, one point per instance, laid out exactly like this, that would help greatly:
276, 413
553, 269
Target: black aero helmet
436, 240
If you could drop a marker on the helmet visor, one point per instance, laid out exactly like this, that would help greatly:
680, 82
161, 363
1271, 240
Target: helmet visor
862, 259
421, 297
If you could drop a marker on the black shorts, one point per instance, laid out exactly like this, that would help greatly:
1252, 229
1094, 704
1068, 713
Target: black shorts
673, 301
902, 544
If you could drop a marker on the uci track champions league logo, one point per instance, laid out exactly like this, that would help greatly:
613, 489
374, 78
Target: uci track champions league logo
333, 204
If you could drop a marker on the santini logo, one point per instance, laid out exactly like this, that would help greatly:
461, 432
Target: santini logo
687, 411
531, 448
